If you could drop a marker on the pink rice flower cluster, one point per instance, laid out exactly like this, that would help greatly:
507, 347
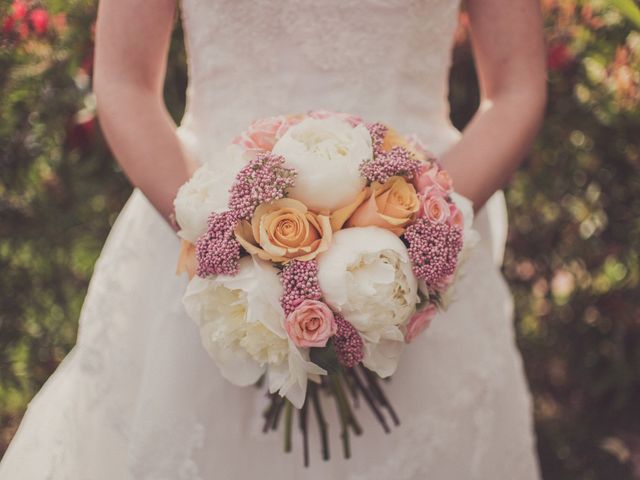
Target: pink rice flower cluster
300, 282
433, 250
347, 343
398, 161
263, 180
377, 131
217, 250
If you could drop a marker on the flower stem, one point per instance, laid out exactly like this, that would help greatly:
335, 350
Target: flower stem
369, 399
322, 424
278, 410
344, 419
351, 418
288, 421
372, 380
303, 429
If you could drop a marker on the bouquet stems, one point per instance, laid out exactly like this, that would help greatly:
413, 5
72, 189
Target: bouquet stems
288, 422
358, 382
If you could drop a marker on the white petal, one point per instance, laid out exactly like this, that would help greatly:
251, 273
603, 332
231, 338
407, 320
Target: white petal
327, 154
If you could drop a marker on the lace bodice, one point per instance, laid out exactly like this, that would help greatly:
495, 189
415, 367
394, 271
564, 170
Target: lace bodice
386, 60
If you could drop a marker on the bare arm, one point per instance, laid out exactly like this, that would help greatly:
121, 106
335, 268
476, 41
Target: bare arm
509, 53
130, 65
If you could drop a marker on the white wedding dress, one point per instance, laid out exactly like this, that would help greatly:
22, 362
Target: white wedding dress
139, 398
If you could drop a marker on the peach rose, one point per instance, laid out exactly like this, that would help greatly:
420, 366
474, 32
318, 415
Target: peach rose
419, 322
391, 205
187, 259
311, 324
392, 138
283, 230
433, 177
435, 208
263, 133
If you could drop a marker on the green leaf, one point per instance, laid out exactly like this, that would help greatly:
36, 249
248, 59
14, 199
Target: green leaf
326, 358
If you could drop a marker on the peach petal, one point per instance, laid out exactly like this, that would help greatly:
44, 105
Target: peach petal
187, 259
340, 216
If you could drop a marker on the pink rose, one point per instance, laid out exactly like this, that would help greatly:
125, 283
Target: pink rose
419, 322
415, 144
455, 216
354, 120
311, 324
433, 177
435, 208
263, 133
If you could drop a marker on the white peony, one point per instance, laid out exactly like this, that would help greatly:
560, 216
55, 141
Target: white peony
326, 154
289, 378
366, 275
206, 191
195, 201
241, 327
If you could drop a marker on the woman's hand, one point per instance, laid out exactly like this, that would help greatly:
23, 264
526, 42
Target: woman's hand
509, 52
131, 55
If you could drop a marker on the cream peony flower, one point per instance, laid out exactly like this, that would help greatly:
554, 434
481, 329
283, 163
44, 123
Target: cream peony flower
207, 191
195, 201
242, 327
366, 275
240, 320
326, 154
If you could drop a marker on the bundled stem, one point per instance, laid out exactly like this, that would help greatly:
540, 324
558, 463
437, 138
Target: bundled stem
288, 421
369, 399
372, 381
305, 436
322, 423
342, 414
359, 381
351, 418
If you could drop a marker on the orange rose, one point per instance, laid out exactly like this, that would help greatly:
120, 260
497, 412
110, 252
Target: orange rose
394, 139
391, 205
187, 259
284, 230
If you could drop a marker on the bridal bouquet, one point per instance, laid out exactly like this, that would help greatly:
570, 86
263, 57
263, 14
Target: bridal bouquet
337, 244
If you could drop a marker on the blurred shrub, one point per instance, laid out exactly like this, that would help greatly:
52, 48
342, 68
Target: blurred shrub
574, 243
572, 259
60, 189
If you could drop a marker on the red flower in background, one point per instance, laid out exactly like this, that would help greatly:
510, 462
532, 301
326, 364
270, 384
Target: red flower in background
559, 56
19, 10
80, 130
8, 25
39, 19
23, 30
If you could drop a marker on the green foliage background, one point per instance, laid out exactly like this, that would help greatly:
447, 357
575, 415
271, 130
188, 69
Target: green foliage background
574, 241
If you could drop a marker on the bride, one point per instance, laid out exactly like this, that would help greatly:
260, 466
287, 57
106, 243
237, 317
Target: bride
138, 397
